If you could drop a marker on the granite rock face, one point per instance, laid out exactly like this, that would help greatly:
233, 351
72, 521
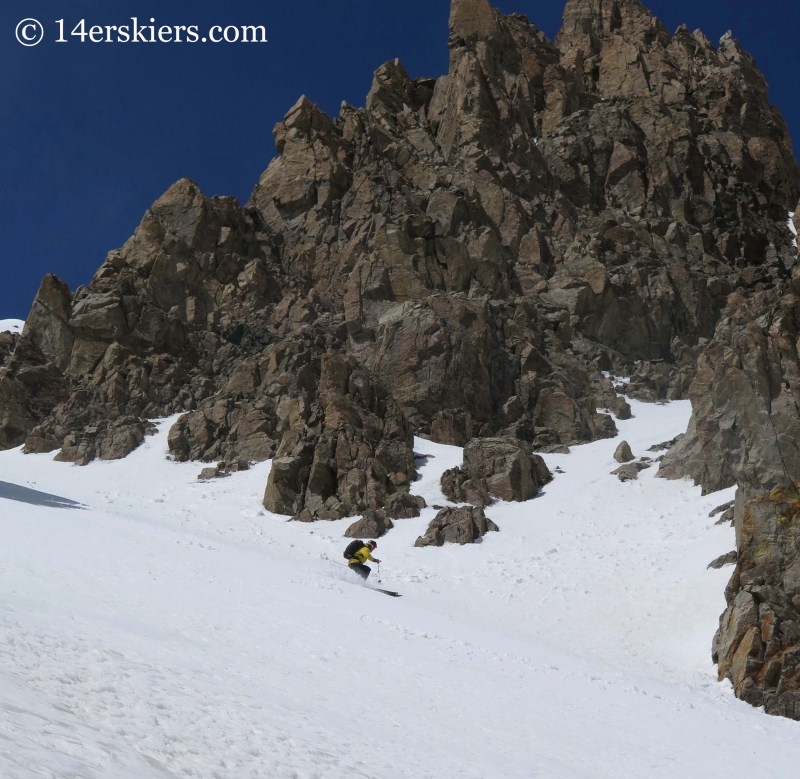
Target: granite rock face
154, 332
30, 388
190, 315
746, 431
497, 235
352, 452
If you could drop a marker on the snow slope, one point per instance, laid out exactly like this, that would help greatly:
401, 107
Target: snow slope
155, 626
11, 325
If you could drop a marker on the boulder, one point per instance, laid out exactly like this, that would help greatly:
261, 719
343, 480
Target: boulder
463, 525
224, 469
622, 409
374, 524
403, 505
630, 472
508, 467
212, 473
288, 476
624, 453
459, 488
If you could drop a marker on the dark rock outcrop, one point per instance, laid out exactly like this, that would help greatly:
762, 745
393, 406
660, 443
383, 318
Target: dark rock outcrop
745, 430
155, 331
8, 342
503, 467
685, 459
352, 452
484, 245
222, 470
722, 509
374, 524
463, 525
624, 453
458, 487
403, 505
190, 315
630, 471
511, 471
727, 559
30, 387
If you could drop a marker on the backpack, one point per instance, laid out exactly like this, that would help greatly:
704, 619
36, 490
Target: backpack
352, 548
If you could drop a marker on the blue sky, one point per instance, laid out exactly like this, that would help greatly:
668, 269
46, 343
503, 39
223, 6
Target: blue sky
92, 133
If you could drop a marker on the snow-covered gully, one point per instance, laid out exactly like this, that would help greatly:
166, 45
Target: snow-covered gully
155, 626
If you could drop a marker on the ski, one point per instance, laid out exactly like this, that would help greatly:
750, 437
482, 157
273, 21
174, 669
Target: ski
376, 589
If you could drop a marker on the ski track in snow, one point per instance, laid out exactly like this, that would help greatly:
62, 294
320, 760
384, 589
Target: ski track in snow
166, 627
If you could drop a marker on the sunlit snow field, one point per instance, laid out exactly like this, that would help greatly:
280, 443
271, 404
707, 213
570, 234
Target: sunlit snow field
168, 627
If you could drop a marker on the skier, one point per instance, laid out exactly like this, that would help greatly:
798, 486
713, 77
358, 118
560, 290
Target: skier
360, 556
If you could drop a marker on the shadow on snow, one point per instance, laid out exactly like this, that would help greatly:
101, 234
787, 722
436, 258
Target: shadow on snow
36, 498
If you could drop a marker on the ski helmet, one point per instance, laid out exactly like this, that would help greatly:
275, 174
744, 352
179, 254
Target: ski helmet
372, 545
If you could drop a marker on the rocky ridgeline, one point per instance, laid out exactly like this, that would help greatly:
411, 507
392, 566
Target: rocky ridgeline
461, 259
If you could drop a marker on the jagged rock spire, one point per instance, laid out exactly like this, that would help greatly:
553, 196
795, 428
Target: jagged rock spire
588, 23
472, 18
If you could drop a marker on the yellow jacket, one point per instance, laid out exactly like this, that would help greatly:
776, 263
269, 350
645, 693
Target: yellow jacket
361, 556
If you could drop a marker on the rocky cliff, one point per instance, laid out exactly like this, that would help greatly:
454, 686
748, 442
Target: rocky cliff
460, 259
746, 431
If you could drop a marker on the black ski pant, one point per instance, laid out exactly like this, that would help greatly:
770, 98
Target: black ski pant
362, 570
